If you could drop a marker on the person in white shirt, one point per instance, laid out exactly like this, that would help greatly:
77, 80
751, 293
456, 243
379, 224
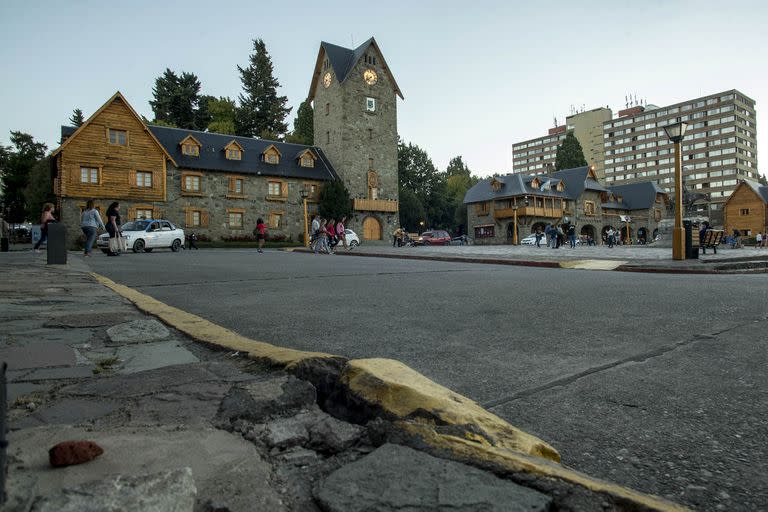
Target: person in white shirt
89, 223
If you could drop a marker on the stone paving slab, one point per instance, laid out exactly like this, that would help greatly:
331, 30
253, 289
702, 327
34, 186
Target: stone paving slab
66, 372
138, 331
38, 355
99, 319
66, 412
149, 356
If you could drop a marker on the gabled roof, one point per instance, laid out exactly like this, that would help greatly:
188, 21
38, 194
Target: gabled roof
760, 190
513, 185
577, 180
190, 138
117, 95
231, 143
303, 151
272, 146
343, 60
212, 158
637, 196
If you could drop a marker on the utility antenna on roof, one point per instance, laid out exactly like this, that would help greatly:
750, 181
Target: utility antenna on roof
554, 118
626, 101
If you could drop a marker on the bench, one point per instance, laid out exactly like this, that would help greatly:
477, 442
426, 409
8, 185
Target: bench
712, 238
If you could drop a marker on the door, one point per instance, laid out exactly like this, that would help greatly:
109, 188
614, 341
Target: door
371, 229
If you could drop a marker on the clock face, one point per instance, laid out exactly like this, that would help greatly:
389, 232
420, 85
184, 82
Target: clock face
370, 77
327, 80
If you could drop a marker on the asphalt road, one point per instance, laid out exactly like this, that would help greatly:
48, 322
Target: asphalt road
657, 382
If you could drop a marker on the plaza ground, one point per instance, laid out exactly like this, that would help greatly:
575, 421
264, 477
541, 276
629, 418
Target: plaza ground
652, 381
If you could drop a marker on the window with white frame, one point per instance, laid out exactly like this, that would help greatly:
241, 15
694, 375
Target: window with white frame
89, 175
144, 179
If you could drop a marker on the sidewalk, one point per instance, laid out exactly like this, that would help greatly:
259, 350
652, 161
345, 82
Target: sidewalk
185, 425
619, 258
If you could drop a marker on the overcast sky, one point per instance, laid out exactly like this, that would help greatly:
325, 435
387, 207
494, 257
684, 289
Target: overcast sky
476, 76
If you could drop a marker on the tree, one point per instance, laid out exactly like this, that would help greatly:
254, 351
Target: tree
177, 101
77, 118
334, 200
40, 188
411, 210
261, 109
222, 112
418, 174
460, 179
303, 125
16, 164
569, 154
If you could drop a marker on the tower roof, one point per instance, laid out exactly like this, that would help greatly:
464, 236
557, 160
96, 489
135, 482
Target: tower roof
343, 60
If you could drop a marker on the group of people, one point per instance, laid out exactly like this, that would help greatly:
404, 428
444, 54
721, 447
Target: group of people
555, 235
326, 234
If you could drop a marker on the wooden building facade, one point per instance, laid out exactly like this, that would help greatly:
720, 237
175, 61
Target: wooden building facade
746, 209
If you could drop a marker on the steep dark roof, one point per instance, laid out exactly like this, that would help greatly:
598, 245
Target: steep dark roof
760, 190
577, 180
343, 59
637, 196
212, 156
512, 185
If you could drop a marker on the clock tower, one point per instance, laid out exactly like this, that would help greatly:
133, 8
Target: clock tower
354, 96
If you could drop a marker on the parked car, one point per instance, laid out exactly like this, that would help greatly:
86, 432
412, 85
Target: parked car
531, 240
437, 237
352, 239
147, 234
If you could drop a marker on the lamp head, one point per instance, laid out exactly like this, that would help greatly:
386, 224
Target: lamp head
676, 132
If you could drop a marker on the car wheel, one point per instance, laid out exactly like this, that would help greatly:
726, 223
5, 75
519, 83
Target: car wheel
176, 245
138, 246
354, 243
147, 250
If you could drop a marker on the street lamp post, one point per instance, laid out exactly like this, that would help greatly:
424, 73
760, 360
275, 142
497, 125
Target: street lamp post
675, 133
304, 195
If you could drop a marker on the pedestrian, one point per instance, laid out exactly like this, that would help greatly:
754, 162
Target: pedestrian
313, 236
89, 223
261, 233
560, 236
45, 217
113, 228
397, 237
538, 237
192, 241
610, 235
703, 232
759, 240
321, 244
548, 235
572, 235
330, 228
341, 233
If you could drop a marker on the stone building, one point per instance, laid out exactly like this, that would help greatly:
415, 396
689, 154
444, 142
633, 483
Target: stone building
569, 196
217, 185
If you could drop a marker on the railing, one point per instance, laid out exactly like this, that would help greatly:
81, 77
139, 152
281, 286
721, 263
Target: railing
530, 211
375, 205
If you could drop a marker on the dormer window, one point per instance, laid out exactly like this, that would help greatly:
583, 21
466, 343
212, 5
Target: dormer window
271, 155
234, 151
560, 186
190, 146
306, 158
496, 185
535, 183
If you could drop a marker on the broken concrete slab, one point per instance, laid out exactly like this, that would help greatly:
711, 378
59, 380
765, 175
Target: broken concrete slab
38, 355
168, 491
396, 478
98, 319
138, 331
285, 433
64, 372
329, 435
65, 412
256, 401
149, 356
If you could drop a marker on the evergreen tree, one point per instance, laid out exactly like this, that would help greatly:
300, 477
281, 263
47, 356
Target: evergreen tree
261, 109
303, 126
334, 201
203, 116
222, 112
77, 118
569, 154
460, 179
177, 101
40, 188
16, 164
417, 173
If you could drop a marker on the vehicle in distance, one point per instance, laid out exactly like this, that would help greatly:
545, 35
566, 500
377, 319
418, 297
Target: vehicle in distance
437, 237
147, 234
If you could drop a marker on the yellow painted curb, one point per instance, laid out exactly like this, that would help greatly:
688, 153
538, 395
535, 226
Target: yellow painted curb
405, 393
420, 403
202, 330
592, 264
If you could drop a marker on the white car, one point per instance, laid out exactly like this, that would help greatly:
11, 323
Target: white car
531, 240
147, 234
352, 239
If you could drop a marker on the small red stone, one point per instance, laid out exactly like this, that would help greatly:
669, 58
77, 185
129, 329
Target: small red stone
69, 453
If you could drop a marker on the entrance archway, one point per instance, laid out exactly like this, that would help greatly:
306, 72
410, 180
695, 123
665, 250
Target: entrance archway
642, 235
588, 230
511, 231
371, 228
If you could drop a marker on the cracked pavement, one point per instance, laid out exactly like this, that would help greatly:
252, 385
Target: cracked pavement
656, 382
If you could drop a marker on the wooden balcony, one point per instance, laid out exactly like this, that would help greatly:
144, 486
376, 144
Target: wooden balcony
374, 205
529, 211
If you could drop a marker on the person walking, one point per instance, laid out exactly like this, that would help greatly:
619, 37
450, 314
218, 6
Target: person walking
538, 237
548, 235
759, 240
332, 240
610, 235
89, 223
321, 244
261, 233
192, 241
113, 228
572, 235
314, 230
397, 237
341, 233
45, 217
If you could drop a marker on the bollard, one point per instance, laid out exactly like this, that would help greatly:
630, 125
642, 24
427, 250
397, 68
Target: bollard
57, 244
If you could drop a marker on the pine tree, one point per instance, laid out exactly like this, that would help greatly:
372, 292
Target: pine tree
569, 154
77, 118
261, 110
334, 200
303, 126
177, 101
222, 112
16, 164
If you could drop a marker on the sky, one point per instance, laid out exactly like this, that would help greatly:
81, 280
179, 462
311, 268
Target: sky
476, 76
